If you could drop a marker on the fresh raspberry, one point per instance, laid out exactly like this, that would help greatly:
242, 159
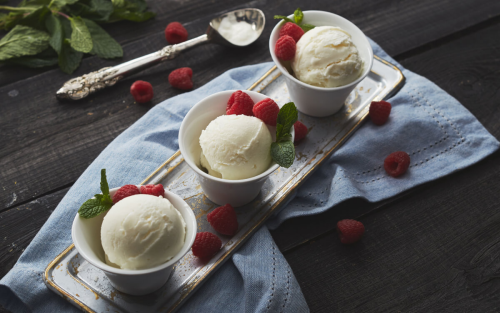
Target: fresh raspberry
292, 30
181, 78
175, 33
239, 103
379, 112
267, 110
223, 219
206, 245
300, 131
124, 192
285, 48
350, 231
141, 91
155, 190
397, 163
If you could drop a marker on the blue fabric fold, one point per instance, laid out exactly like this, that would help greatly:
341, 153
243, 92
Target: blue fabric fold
436, 130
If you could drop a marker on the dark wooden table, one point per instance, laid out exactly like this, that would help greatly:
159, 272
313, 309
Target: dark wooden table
435, 248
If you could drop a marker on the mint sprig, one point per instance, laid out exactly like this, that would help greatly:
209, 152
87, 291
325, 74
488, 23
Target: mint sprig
298, 16
100, 203
48, 32
283, 150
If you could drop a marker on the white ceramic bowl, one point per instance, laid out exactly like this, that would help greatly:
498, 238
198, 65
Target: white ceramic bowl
218, 190
86, 234
318, 101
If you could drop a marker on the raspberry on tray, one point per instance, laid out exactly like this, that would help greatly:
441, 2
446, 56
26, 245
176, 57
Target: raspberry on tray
206, 245
223, 220
181, 78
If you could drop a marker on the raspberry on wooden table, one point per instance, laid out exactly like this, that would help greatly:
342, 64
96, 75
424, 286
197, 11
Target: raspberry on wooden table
154, 190
300, 131
397, 163
206, 245
267, 110
379, 112
181, 78
141, 91
291, 29
285, 48
124, 192
223, 219
350, 231
239, 103
175, 33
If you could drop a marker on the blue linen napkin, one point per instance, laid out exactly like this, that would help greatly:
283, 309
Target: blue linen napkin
440, 135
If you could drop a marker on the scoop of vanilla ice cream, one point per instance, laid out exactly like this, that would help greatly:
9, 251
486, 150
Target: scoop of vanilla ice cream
327, 57
236, 147
142, 231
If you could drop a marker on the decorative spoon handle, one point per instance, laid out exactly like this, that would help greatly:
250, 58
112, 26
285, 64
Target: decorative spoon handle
80, 87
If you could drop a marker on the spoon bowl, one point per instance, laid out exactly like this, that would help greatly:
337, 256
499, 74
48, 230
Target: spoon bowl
247, 26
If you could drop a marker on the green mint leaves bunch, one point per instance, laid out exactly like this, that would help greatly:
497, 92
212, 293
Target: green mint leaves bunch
283, 150
297, 19
49, 32
100, 203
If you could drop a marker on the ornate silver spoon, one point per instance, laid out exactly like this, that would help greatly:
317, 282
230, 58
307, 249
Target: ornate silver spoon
80, 87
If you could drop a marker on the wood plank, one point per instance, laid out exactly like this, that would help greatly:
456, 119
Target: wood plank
436, 251
468, 69
18, 226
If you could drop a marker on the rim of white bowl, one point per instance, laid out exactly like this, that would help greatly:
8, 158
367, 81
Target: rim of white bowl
107, 268
268, 172
325, 89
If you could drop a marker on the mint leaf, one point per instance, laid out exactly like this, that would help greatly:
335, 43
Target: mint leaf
97, 10
283, 153
282, 17
35, 19
23, 40
306, 27
54, 27
287, 116
80, 36
46, 58
100, 203
93, 207
104, 184
104, 46
58, 4
69, 58
298, 16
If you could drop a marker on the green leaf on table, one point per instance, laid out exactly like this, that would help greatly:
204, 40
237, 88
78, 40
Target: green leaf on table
283, 153
80, 36
298, 16
35, 19
54, 27
287, 116
47, 57
96, 10
100, 203
21, 41
104, 46
59, 4
69, 58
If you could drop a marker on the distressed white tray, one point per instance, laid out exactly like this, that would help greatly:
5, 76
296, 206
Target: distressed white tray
73, 278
